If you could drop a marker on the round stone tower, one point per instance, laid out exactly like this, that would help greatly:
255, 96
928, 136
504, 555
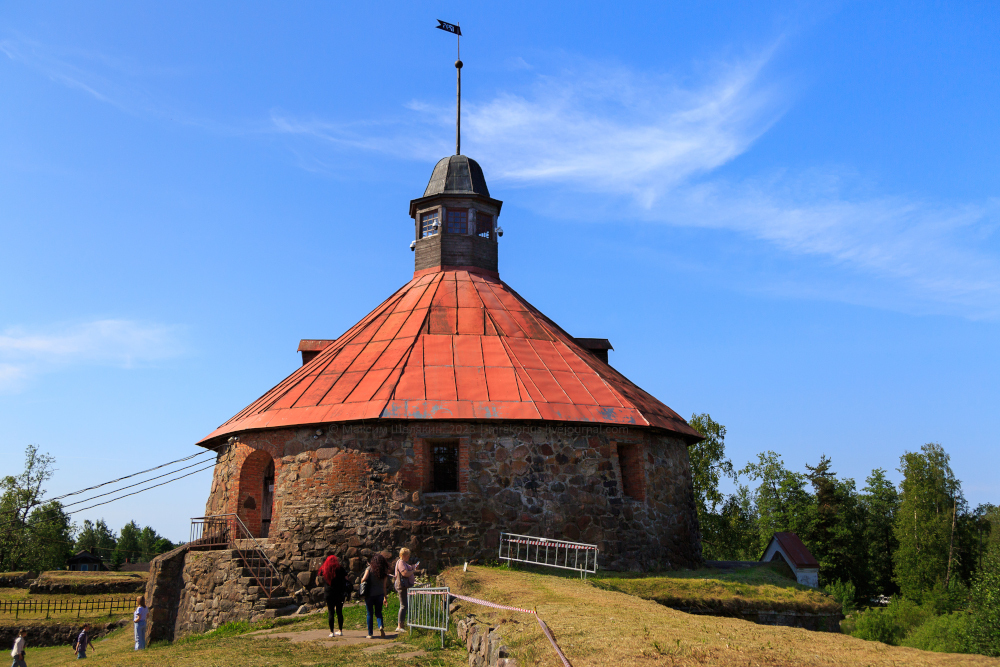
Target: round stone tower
451, 413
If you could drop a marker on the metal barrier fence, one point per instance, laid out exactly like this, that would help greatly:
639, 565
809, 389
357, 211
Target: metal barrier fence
576, 556
428, 609
88, 608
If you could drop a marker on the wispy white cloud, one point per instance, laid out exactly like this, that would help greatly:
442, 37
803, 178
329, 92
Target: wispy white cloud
118, 82
921, 252
117, 343
656, 148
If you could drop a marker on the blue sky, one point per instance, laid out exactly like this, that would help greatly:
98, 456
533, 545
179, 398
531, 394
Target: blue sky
783, 214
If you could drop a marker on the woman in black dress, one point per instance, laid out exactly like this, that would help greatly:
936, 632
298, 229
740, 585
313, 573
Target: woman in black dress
337, 592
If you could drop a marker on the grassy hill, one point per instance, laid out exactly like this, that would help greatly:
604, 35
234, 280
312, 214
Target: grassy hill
598, 627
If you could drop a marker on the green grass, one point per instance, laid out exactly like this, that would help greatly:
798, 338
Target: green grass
763, 588
230, 644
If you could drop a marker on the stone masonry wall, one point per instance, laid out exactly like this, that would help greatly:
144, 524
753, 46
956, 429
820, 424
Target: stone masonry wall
356, 489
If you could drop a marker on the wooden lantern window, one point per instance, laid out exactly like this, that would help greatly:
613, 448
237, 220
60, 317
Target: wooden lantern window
458, 221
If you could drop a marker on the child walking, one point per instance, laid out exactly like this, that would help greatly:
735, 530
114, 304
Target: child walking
139, 623
82, 642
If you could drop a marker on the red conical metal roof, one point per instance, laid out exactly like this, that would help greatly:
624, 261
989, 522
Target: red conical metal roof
455, 344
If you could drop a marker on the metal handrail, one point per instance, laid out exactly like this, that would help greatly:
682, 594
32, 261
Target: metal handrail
245, 534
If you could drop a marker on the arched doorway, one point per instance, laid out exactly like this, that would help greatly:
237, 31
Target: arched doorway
267, 507
256, 493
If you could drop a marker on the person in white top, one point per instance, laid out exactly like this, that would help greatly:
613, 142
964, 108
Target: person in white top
18, 652
139, 623
404, 577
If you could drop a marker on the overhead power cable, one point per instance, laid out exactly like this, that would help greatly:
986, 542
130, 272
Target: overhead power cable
141, 472
209, 467
108, 493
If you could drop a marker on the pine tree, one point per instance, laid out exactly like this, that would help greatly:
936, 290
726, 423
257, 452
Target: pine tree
880, 506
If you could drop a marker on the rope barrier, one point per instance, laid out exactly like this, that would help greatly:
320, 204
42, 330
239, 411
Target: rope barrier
545, 628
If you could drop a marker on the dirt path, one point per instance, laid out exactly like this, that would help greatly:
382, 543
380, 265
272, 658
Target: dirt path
350, 638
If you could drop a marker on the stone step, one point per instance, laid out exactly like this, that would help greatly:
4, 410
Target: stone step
256, 592
282, 611
283, 601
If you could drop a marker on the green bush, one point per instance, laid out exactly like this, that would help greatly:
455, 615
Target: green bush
890, 625
984, 626
844, 593
946, 634
877, 625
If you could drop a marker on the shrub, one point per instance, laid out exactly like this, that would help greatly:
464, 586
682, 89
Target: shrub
984, 626
891, 624
844, 593
877, 625
946, 634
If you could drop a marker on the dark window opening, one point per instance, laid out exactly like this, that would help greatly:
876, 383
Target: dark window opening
444, 462
268, 504
458, 222
427, 223
631, 470
484, 225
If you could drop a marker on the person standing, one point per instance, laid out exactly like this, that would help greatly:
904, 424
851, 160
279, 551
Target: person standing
375, 591
337, 592
82, 642
139, 623
18, 651
405, 575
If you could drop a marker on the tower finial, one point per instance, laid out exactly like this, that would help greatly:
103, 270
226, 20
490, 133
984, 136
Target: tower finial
457, 31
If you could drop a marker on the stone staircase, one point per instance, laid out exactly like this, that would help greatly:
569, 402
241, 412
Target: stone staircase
271, 598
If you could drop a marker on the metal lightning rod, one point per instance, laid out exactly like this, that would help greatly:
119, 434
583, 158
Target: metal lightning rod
457, 31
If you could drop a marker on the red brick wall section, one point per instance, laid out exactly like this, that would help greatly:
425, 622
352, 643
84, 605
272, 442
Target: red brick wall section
251, 490
632, 466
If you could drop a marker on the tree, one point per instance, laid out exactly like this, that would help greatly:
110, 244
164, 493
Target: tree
20, 496
984, 628
128, 543
708, 462
781, 498
734, 529
880, 506
49, 537
708, 465
151, 544
931, 499
96, 538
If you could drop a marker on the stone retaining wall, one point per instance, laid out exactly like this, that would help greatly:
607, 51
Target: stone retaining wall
52, 634
44, 586
484, 644
163, 593
17, 580
791, 619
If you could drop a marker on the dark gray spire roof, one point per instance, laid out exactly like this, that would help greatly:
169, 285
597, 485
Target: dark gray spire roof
457, 174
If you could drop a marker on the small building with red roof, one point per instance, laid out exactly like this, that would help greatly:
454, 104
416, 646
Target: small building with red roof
788, 548
452, 412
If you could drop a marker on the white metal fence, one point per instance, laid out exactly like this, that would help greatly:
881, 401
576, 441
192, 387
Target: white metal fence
428, 609
576, 556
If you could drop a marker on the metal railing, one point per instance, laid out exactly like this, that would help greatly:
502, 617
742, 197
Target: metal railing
577, 556
428, 609
227, 531
88, 608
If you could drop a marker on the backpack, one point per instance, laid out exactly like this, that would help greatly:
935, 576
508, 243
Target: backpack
363, 589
